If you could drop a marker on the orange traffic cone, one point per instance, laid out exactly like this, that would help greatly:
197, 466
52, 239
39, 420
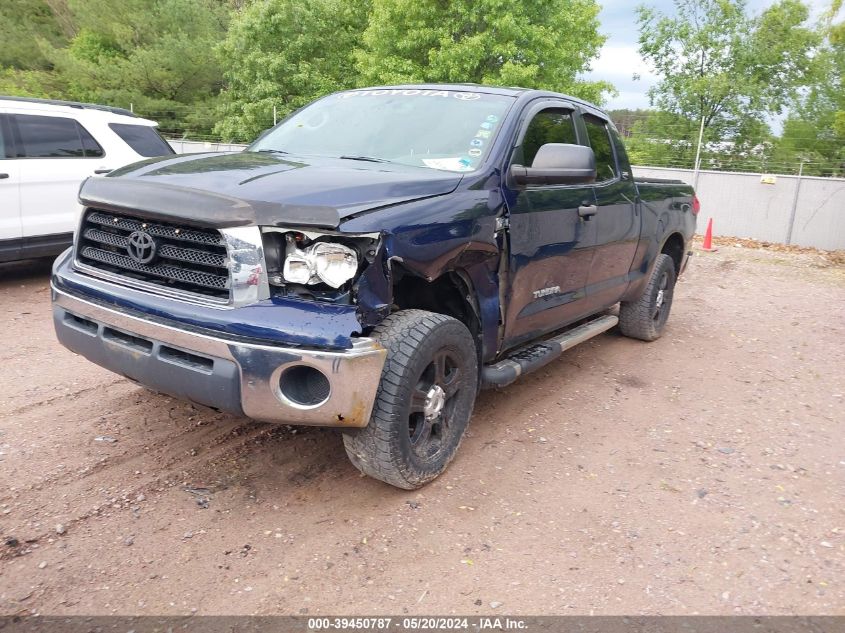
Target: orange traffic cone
707, 246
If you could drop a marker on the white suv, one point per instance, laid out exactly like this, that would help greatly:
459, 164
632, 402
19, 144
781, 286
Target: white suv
47, 148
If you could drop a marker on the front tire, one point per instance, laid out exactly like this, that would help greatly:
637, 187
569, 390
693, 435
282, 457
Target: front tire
424, 401
646, 317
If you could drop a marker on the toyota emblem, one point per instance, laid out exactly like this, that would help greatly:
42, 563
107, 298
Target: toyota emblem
467, 96
141, 247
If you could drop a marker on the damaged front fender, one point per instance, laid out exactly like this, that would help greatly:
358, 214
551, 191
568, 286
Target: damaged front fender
373, 290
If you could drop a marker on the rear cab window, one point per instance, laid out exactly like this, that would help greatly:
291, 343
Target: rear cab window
145, 140
54, 137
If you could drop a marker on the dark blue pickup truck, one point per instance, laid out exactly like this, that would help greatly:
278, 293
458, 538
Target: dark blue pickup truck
373, 261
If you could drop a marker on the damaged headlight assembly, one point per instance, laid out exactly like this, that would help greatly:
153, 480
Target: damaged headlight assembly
317, 265
323, 262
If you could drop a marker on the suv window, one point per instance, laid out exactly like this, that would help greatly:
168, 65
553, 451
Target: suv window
92, 147
554, 125
142, 138
601, 144
4, 151
54, 137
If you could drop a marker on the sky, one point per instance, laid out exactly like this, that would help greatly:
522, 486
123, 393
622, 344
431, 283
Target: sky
619, 59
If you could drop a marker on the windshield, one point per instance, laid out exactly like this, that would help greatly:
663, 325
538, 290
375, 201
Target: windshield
439, 129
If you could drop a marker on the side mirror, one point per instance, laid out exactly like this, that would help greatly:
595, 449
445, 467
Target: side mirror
558, 164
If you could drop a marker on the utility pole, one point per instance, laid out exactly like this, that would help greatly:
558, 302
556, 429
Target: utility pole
698, 155
274, 116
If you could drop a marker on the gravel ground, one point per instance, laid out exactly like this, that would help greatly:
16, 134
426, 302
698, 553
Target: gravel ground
702, 473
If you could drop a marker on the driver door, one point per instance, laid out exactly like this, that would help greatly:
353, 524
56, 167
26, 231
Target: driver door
550, 245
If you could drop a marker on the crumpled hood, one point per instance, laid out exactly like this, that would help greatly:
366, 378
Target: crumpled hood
258, 188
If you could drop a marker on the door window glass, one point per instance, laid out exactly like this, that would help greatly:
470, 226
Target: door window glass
554, 125
601, 144
621, 152
55, 137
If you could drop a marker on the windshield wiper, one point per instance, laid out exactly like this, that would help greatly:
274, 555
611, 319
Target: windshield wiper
272, 151
369, 159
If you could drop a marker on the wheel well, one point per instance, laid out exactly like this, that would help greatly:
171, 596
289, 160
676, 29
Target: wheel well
449, 294
674, 248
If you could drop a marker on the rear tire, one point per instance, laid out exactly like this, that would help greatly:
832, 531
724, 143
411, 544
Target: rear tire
424, 401
646, 317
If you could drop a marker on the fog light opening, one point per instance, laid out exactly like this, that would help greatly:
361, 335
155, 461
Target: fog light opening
304, 386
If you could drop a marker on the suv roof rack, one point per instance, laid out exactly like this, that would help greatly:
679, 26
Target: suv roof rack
71, 104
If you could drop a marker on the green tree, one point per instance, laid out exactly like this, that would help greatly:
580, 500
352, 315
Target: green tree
624, 119
283, 54
662, 139
531, 43
837, 40
721, 65
667, 139
815, 131
155, 54
22, 24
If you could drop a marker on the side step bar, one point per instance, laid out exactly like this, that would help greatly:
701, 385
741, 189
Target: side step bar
531, 358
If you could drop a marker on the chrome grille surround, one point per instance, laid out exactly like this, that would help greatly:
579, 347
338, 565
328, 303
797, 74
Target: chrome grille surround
217, 268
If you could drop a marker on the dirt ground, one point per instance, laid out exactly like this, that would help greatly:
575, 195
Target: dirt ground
702, 473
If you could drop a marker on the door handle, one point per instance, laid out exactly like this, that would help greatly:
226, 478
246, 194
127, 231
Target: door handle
102, 171
587, 212
3, 176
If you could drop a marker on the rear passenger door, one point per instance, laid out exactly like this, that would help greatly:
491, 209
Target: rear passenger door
550, 246
56, 155
10, 202
617, 222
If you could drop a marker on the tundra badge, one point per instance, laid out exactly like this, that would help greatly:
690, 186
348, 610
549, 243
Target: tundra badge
545, 292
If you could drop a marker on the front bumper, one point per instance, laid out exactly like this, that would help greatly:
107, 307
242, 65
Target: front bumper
242, 378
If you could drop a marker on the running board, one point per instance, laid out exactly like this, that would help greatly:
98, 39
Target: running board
533, 357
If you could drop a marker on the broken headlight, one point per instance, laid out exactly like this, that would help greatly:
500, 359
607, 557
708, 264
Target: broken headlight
323, 262
317, 265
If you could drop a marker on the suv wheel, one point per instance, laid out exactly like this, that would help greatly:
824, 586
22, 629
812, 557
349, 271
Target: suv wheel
424, 402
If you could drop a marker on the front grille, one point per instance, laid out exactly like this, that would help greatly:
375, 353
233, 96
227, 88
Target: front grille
188, 259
